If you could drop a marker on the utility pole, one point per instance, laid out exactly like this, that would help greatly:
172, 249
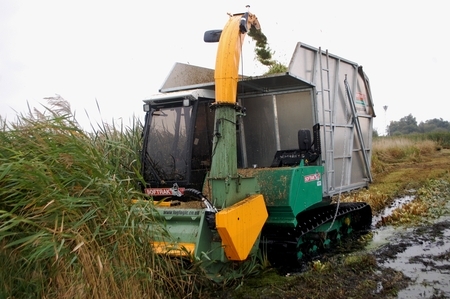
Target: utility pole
385, 119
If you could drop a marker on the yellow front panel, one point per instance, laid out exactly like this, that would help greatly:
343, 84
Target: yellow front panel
240, 225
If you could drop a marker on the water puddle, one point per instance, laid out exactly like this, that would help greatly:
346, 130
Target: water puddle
381, 234
397, 204
422, 263
421, 253
424, 256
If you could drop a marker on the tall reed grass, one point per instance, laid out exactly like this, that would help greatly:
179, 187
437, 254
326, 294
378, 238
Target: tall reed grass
441, 138
387, 151
399, 166
67, 229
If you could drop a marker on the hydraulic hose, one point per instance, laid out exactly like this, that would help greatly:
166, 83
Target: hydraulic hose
210, 210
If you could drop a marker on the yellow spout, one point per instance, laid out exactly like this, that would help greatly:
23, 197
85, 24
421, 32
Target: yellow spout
228, 57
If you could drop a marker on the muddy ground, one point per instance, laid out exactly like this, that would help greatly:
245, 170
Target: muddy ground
421, 253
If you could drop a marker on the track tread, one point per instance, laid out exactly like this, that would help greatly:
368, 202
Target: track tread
287, 239
311, 219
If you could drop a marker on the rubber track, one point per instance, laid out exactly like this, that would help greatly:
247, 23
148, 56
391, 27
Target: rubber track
310, 219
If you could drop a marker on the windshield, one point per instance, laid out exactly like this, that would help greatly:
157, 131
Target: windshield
166, 150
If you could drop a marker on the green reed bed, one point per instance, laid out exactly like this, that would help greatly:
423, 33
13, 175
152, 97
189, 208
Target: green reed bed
442, 138
67, 227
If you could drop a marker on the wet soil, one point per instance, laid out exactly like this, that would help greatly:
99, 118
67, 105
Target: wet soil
422, 254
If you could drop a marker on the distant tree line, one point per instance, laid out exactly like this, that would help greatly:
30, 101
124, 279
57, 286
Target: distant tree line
408, 125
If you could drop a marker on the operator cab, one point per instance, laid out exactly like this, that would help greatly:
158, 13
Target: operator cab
178, 134
179, 130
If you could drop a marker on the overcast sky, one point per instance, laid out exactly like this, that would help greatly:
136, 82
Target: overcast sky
119, 52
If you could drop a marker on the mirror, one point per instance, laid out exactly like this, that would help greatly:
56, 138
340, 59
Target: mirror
212, 36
